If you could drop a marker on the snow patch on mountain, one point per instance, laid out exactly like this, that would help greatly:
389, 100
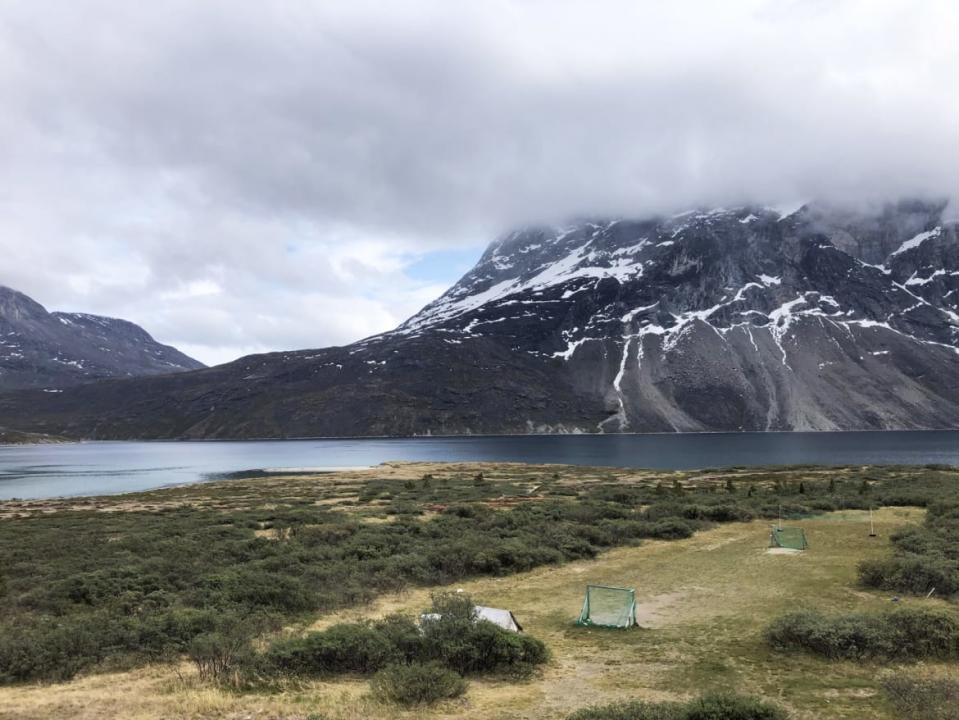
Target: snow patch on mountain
917, 241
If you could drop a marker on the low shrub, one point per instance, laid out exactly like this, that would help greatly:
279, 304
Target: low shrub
728, 513
451, 636
821, 505
926, 556
221, 657
732, 707
670, 530
459, 641
55, 652
417, 684
904, 634
923, 634
922, 698
635, 710
914, 574
344, 648
708, 707
464, 510
483, 648
404, 636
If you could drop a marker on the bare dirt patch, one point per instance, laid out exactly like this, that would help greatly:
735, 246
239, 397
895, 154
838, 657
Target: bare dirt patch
659, 609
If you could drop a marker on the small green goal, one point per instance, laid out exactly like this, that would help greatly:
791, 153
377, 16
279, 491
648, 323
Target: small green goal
788, 537
609, 607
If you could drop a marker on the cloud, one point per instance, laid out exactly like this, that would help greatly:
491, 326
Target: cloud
249, 176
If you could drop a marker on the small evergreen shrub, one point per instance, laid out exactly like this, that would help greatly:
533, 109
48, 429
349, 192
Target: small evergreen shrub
634, 710
221, 657
417, 684
727, 513
404, 636
914, 574
457, 640
344, 648
670, 530
732, 707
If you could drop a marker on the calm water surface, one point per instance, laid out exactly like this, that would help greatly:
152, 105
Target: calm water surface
96, 468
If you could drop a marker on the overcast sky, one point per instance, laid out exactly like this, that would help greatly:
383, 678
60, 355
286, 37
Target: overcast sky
240, 176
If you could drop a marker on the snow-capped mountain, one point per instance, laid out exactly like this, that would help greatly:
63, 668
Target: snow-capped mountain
51, 351
745, 318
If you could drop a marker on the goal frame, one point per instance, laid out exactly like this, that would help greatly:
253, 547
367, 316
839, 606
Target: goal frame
775, 539
584, 616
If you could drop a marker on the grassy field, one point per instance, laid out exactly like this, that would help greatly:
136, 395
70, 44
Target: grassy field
703, 603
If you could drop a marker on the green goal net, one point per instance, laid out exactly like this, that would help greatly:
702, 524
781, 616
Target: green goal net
791, 538
612, 607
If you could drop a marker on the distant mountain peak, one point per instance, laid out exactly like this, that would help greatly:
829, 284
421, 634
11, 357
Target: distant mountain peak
40, 349
14, 305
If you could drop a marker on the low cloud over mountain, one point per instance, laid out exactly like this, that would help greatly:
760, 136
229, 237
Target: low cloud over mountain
245, 177
745, 318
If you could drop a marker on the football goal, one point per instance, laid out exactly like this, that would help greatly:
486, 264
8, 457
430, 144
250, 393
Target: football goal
789, 538
611, 607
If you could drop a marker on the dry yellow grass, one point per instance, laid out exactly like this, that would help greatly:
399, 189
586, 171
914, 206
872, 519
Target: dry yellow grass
703, 602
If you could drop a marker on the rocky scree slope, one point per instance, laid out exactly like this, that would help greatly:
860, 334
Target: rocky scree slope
52, 351
727, 319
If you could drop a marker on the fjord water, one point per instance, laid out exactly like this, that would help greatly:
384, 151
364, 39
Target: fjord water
98, 468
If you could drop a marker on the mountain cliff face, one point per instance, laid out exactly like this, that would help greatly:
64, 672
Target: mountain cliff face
728, 319
51, 351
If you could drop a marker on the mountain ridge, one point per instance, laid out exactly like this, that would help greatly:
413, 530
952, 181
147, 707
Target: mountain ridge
55, 350
745, 318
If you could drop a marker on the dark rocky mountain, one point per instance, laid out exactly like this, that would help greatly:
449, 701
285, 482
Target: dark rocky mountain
728, 319
52, 351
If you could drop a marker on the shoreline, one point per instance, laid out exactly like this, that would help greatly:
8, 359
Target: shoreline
62, 440
415, 469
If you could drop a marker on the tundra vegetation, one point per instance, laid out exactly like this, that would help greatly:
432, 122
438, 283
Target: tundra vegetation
416, 660
232, 577
917, 697
905, 634
709, 707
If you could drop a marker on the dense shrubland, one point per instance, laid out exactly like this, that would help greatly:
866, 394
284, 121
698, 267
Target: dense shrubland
904, 634
84, 589
926, 558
